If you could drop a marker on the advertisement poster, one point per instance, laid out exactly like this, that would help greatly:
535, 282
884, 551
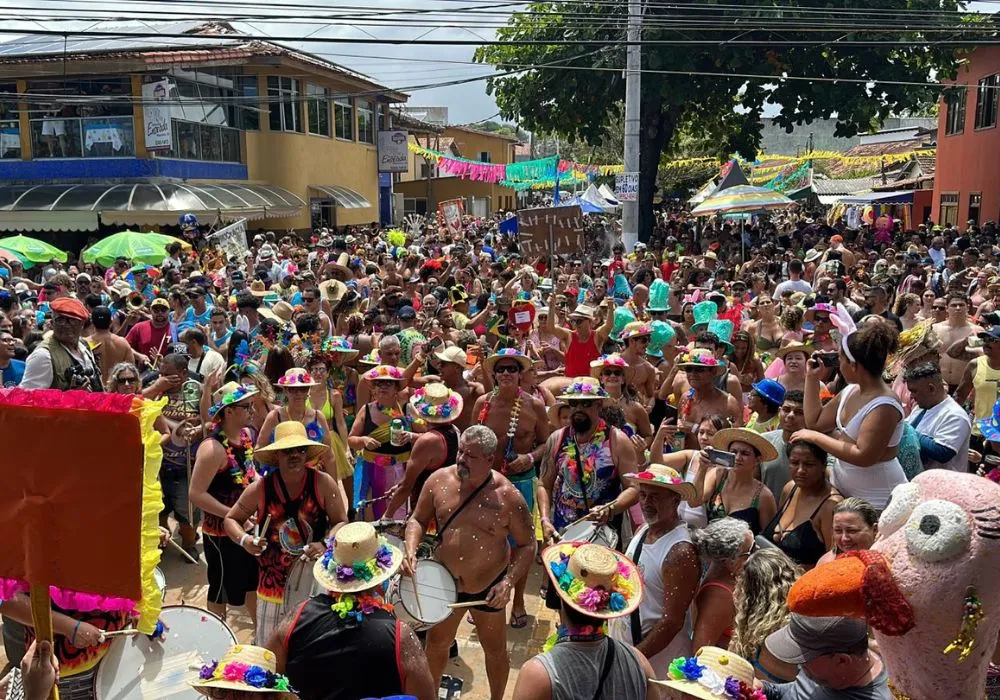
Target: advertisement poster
156, 115
393, 156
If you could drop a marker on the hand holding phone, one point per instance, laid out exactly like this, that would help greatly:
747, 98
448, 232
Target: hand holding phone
721, 458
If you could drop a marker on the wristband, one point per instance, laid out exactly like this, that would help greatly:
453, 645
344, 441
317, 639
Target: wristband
75, 628
244, 538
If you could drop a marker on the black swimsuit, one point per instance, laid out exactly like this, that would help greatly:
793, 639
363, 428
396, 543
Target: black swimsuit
801, 543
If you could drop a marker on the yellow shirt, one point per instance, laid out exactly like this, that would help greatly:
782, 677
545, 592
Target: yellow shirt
985, 386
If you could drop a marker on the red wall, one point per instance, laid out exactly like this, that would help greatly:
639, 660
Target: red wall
970, 161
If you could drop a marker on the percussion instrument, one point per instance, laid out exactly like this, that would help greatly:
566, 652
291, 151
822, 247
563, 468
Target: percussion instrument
138, 668
300, 585
587, 531
437, 589
395, 532
161, 582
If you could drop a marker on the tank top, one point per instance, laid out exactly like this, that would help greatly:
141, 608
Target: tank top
750, 515
575, 668
985, 384
580, 354
295, 522
224, 487
801, 543
573, 498
381, 433
651, 607
449, 434
728, 632
326, 409
334, 659
874, 483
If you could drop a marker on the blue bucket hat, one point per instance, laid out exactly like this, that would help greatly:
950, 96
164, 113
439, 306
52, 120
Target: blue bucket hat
771, 390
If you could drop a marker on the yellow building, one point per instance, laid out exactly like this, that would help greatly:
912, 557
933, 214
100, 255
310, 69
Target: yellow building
189, 117
424, 185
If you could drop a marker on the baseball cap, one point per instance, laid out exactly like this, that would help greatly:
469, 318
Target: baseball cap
158, 303
991, 334
238, 276
806, 638
406, 312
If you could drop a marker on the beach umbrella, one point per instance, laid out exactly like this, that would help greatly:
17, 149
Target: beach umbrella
741, 199
10, 257
148, 248
32, 249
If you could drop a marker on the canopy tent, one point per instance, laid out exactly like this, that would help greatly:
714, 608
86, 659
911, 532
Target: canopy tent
585, 206
609, 196
896, 197
704, 193
594, 196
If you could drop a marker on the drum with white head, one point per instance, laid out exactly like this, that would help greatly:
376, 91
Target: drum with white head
139, 668
588, 531
436, 588
300, 585
161, 582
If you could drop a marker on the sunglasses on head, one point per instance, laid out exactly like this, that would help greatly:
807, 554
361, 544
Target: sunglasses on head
300, 450
507, 369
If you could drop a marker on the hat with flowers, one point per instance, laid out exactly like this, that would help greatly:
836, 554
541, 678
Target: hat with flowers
232, 396
613, 360
664, 477
384, 372
436, 403
713, 674
247, 669
593, 579
296, 377
701, 358
582, 388
356, 559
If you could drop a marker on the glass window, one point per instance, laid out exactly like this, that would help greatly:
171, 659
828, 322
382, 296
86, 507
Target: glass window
366, 122
230, 145
949, 208
955, 116
245, 114
95, 123
10, 139
381, 111
283, 104
986, 102
187, 140
318, 108
486, 156
343, 113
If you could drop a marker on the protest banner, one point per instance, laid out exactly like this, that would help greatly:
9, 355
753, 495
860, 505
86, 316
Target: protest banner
231, 239
551, 231
627, 187
450, 214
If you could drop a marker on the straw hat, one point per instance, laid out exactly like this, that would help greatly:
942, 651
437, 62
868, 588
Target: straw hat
230, 395
258, 289
384, 372
914, 343
795, 346
340, 267
371, 359
297, 377
582, 388
453, 354
612, 360
701, 358
660, 476
583, 311
553, 412
611, 583
727, 436
636, 329
288, 434
357, 559
281, 311
332, 290
709, 673
245, 668
340, 345
507, 354
436, 403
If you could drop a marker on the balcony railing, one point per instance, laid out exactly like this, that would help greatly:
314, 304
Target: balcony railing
199, 141
90, 137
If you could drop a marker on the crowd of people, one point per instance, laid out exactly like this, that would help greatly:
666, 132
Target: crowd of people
674, 434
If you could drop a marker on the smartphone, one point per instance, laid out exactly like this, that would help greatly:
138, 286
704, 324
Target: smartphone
721, 458
432, 345
830, 359
670, 413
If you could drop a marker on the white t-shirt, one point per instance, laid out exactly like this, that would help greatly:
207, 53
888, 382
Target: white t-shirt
948, 424
793, 286
207, 363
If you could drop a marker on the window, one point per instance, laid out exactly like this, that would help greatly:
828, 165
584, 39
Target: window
949, 209
486, 156
975, 204
10, 128
318, 107
283, 104
426, 171
366, 122
246, 115
955, 117
414, 205
98, 127
380, 116
343, 117
986, 102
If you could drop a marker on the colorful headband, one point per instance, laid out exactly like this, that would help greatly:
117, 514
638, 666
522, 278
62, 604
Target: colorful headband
253, 676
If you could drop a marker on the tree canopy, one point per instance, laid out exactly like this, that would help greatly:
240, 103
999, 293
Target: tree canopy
709, 71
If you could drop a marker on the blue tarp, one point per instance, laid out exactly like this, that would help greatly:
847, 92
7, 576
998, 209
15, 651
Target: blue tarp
585, 206
509, 225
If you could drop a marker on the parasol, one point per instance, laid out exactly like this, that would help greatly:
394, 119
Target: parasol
148, 248
740, 199
32, 249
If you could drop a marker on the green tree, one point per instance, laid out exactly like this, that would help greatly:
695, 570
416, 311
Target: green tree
701, 89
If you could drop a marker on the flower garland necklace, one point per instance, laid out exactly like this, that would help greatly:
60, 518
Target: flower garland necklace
515, 412
390, 412
573, 450
358, 606
242, 474
566, 633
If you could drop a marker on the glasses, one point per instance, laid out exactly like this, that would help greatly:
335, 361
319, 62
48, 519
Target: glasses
301, 450
128, 380
821, 319
937, 307
584, 403
753, 548
384, 384
644, 340
308, 300
507, 369
613, 373
696, 370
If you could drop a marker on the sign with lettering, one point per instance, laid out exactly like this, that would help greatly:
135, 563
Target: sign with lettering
156, 115
393, 155
627, 187
551, 231
232, 240
450, 215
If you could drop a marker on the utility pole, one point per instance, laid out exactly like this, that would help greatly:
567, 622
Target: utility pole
633, 63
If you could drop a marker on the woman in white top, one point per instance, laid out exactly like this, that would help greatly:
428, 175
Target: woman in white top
867, 416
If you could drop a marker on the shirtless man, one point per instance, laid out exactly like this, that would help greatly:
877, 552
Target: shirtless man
954, 333
452, 373
640, 375
476, 510
517, 456
109, 349
697, 395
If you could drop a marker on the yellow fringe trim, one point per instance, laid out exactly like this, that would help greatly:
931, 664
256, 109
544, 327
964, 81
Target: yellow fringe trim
152, 503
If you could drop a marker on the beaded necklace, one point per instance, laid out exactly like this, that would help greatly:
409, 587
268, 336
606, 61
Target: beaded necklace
515, 411
566, 633
242, 474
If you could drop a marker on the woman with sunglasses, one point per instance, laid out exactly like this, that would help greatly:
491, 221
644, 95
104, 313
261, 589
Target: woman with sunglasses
330, 403
609, 370
725, 544
124, 379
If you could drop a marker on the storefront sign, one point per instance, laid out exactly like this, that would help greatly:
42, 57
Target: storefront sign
393, 155
551, 231
231, 239
156, 115
627, 187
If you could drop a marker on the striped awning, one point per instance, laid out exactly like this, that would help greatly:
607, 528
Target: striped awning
344, 197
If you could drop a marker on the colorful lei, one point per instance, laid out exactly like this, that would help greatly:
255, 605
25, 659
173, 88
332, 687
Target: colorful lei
358, 606
515, 413
597, 599
254, 676
385, 372
359, 570
242, 474
590, 460
430, 410
565, 633
689, 669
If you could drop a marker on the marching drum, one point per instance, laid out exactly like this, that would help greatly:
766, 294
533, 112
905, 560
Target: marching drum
300, 585
138, 668
587, 531
161, 582
437, 589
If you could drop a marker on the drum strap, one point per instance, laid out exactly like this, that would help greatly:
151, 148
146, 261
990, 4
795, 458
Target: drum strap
466, 502
609, 659
634, 620
292, 507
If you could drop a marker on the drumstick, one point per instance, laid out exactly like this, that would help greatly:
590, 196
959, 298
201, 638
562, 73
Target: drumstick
588, 515
416, 597
263, 530
466, 604
119, 633
181, 550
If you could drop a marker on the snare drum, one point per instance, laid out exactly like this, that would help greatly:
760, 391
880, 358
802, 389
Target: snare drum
138, 668
590, 532
161, 582
393, 530
437, 589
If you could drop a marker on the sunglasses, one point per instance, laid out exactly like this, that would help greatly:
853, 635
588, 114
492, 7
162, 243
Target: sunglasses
613, 373
384, 384
583, 403
753, 548
301, 450
507, 369
128, 380
697, 370
645, 340
308, 300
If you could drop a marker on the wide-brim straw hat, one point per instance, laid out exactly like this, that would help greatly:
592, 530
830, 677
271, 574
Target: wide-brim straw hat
702, 358
332, 290
340, 267
663, 477
282, 311
596, 566
795, 346
583, 311
340, 345
636, 329
384, 373
507, 354
719, 666
288, 434
371, 359
436, 403
354, 546
258, 289
297, 377
251, 664
230, 395
583, 388
914, 343
727, 436
613, 360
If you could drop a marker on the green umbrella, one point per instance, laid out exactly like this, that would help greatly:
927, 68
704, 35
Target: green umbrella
32, 249
147, 248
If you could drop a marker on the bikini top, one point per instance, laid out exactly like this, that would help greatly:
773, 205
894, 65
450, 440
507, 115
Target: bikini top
750, 515
801, 543
729, 631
